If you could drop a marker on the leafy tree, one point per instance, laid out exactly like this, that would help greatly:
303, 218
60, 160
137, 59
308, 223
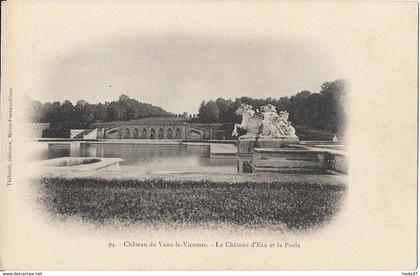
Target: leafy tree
46, 112
67, 111
213, 111
116, 112
84, 112
55, 114
100, 112
209, 112
224, 110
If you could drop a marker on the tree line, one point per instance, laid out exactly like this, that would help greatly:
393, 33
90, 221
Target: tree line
83, 114
324, 110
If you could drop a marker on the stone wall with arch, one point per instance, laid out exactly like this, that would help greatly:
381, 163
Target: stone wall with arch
147, 132
157, 132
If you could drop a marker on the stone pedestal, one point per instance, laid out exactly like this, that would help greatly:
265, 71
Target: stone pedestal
246, 148
288, 160
244, 163
247, 145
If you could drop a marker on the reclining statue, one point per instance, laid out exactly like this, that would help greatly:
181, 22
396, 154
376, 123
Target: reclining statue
264, 124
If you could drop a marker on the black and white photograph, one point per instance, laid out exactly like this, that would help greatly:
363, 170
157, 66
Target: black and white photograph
158, 157
171, 135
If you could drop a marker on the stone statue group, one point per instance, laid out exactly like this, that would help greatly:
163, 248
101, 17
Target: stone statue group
265, 123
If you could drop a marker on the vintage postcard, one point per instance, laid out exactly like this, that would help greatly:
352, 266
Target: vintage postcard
208, 135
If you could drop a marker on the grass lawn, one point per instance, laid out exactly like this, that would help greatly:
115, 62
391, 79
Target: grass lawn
291, 203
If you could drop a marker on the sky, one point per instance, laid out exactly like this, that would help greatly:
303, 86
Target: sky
177, 72
171, 57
